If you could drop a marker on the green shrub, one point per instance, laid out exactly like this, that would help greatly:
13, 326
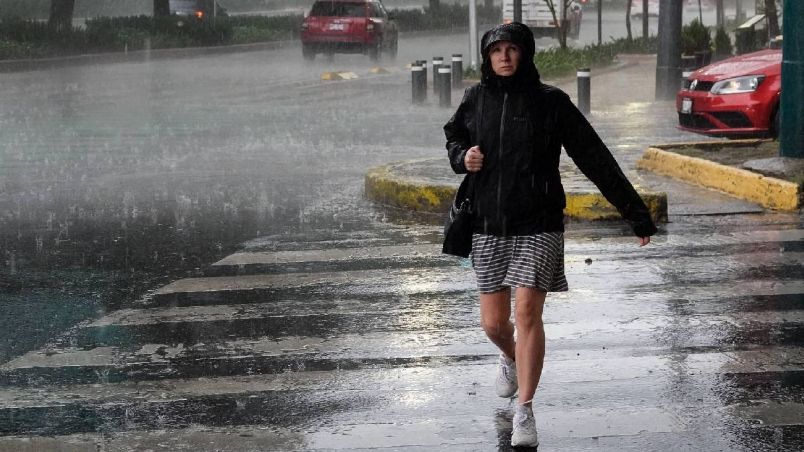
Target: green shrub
637, 45
558, 62
133, 33
16, 50
723, 46
695, 37
261, 28
35, 34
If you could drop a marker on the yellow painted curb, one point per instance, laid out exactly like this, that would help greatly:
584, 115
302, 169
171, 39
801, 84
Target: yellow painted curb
383, 186
379, 70
769, 192
338, 76
593, 206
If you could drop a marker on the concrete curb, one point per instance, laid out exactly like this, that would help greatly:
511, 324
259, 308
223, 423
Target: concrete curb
769, 192
385, 185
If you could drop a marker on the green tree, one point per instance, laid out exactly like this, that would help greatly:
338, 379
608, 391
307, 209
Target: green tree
773, 18
628, 19
161, 8
562, 27
61, 15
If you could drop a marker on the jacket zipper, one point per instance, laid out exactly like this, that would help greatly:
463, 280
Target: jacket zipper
500, 150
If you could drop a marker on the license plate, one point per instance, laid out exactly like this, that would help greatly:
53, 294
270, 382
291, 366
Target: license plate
686, 105
337, 27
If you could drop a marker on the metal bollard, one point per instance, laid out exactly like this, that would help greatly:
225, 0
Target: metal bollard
418, 83
423, 64
437, 62
445, 91
584, 89
457, 70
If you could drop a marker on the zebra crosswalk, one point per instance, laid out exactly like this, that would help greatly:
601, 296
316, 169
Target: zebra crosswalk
691, 344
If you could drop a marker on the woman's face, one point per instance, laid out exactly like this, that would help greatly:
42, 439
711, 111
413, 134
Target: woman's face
505, 56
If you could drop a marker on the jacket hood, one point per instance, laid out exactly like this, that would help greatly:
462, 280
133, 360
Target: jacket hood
520, 35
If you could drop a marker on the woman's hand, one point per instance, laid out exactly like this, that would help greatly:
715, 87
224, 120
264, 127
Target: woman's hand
644, 241
473, 160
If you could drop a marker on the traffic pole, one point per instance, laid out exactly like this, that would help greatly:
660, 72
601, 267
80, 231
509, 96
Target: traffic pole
457, 70
418, 83
668, 58
599, 22
437, 62
473, 53
791, 133
584, 90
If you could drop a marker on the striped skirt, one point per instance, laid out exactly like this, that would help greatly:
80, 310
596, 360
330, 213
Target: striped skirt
535, 261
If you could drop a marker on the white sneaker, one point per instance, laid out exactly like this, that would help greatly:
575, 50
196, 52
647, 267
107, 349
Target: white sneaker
524, 431
506, 383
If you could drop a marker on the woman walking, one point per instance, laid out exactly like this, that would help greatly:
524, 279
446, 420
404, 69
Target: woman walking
508, 133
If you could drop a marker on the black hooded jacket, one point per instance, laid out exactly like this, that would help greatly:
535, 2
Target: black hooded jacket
520, 125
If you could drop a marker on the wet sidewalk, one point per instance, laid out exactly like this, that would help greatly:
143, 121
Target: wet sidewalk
622, 96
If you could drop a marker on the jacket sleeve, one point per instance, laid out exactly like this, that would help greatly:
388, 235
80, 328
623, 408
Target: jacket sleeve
457, 133
595, 161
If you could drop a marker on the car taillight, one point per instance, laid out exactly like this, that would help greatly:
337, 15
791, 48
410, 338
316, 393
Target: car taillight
199, 14
305, 26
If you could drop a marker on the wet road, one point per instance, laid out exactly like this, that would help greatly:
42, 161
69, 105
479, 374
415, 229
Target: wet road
338, 325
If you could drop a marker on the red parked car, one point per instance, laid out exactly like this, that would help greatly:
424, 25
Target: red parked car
735, 98
349, 26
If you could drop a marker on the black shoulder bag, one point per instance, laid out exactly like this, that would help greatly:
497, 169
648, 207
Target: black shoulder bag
458, 228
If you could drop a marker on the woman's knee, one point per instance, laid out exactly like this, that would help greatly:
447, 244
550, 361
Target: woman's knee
528, 319
496, 326
529, 308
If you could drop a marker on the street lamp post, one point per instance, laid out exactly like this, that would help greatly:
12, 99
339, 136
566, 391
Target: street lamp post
473, 34
668, 59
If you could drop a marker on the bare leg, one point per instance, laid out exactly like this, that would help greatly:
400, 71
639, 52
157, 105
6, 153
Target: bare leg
529, 340
495, 318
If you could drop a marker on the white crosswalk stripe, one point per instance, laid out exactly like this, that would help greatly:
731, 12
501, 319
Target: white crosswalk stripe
292, 354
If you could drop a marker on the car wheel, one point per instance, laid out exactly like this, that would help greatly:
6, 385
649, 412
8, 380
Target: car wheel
776, 124
374, 51
307, 52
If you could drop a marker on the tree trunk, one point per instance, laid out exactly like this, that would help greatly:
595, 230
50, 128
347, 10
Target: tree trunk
561, 25
645, 31
628, 19
161, 8
61, 15
773, 18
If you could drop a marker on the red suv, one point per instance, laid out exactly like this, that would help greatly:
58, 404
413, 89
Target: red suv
349, 26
